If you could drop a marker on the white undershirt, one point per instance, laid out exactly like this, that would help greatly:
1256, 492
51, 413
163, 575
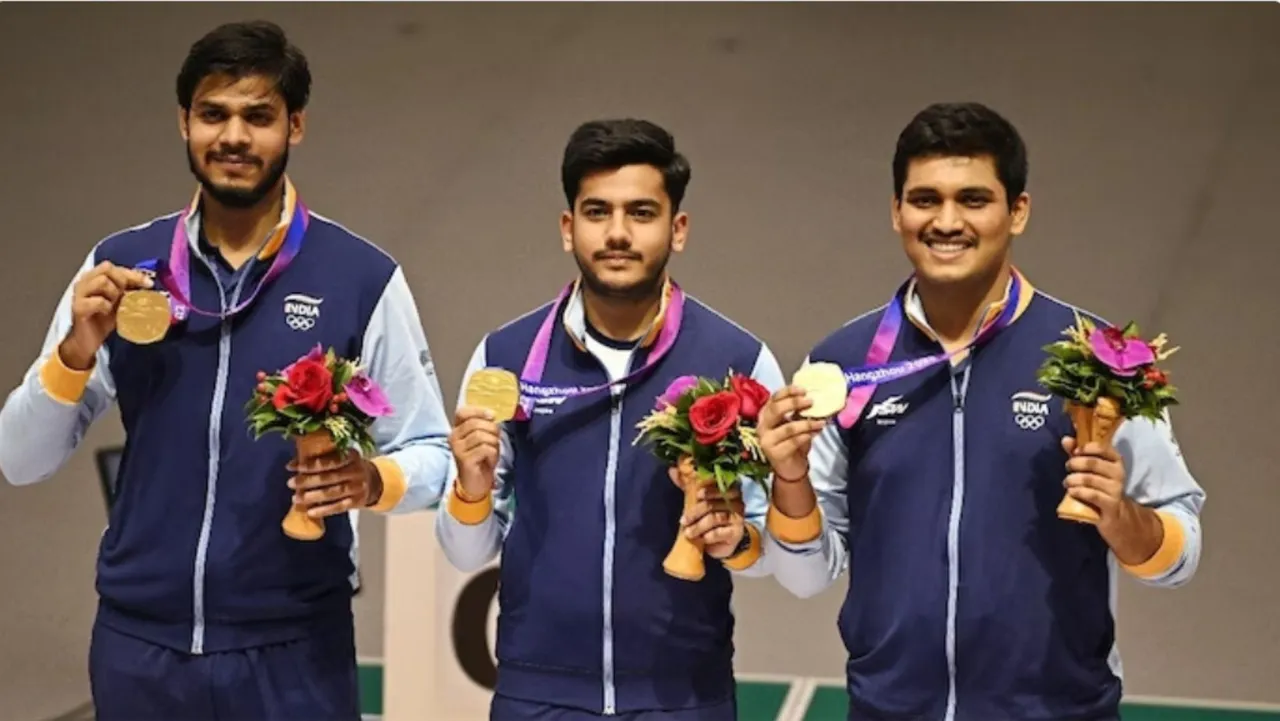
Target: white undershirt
615, 360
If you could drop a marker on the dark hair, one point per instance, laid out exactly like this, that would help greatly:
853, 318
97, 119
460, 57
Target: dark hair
610, 144
963, 129
247, 48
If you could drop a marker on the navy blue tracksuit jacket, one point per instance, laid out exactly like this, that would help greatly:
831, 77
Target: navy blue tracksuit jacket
968, 598
583, 519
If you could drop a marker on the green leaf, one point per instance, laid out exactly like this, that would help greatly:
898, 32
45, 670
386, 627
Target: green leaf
342, 375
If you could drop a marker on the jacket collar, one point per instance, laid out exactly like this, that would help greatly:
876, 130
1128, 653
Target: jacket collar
915, 309
575, 316
191, 220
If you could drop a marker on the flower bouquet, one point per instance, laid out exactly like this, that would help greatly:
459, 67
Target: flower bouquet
1105, 375
325, 404
706, 429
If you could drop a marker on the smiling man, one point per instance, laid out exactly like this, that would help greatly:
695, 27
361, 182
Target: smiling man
590, 626
207, 610
969, 599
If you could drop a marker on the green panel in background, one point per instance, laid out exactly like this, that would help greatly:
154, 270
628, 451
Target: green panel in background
369, 677
1151, 712
761, 700
829, 703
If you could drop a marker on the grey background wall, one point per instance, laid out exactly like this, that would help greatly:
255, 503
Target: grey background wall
436, 132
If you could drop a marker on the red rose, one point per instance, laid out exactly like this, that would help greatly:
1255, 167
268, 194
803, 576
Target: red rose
713, 416
311, 384
282, 398
751, 393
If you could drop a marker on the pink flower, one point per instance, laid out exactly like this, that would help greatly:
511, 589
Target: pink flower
672, 394
1122, 355
367, 397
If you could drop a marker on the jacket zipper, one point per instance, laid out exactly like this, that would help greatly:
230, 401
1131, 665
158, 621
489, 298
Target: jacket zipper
610, 534
958, 393
215, 454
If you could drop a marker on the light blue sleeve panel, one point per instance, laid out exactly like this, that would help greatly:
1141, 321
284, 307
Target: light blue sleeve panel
754, 499
45, 417
1157, 477
416, 434
469, 546
806, 569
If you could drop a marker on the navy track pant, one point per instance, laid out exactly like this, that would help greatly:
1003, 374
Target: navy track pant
505, 708
313, 679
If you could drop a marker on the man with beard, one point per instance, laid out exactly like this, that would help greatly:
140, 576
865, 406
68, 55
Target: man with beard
969, 598
590, 626
206, 608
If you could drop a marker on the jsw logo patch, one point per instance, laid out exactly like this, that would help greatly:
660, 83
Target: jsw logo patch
301, 311
887, 411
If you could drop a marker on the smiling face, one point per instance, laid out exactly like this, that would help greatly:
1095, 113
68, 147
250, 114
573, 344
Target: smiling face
621, 231
238, 134
955, 219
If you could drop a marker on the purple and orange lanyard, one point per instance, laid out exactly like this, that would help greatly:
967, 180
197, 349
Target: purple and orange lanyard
861, 382
174, 274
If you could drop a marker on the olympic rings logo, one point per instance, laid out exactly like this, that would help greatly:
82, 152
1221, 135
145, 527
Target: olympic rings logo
300, 322
1028, 422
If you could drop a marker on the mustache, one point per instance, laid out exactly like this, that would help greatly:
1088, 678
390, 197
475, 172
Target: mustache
932, 237
613, 253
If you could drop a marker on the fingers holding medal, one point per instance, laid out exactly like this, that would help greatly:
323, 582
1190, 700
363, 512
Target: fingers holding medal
96, 297
796, 414
491, 397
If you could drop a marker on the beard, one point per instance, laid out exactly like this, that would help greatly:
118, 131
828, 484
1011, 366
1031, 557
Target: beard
648, 286
240, 197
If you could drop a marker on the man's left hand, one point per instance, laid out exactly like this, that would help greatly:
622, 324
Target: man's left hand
1096, 476
718, 519
355, 485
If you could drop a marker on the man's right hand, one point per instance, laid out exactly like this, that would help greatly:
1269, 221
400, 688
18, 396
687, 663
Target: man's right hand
786, 437
95, 297
475, 442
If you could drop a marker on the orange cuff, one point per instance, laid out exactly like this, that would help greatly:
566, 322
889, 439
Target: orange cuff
1170, 550
748, 557
393, 483
63, 384
794, 530
469, 513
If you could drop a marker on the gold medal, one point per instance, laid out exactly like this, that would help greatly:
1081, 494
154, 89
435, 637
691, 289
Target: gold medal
143, 316
824, 384
496, 390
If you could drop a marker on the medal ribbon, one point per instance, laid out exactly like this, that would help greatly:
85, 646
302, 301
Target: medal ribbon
175, 275
862, 381
535, 363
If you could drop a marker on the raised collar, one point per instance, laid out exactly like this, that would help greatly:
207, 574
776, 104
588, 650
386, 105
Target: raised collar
575, 316
191, 220
915, 309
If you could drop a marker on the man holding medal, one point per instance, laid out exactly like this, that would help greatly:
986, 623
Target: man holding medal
207, 609
934, 481
590, 626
